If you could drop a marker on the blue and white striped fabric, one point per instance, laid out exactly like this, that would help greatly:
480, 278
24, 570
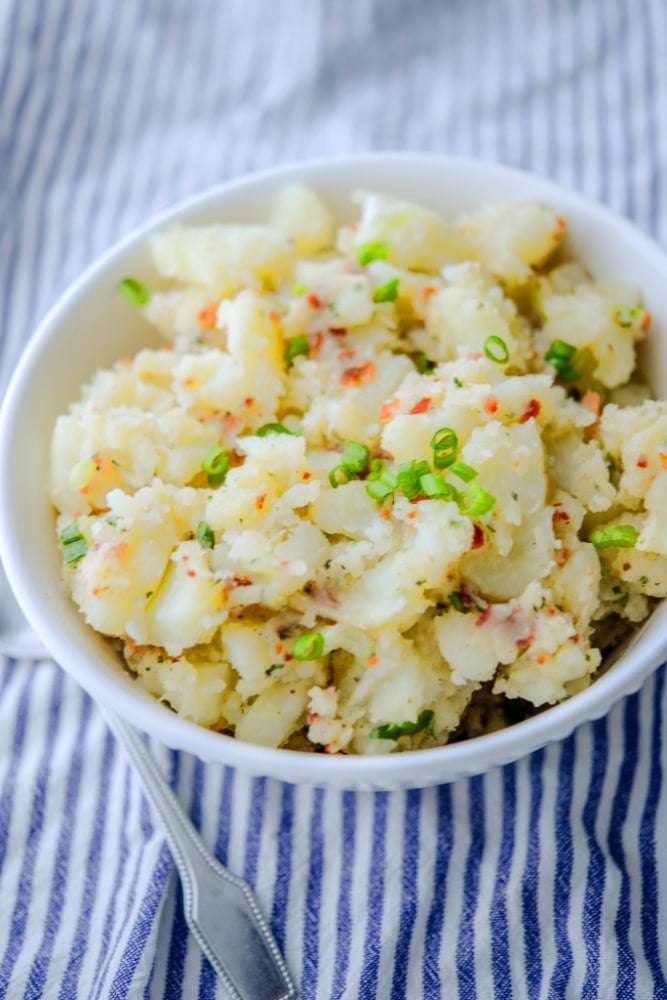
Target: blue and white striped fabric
544, 879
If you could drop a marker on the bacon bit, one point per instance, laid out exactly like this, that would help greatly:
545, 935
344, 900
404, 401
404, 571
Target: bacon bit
642, 461
663, 459
532, 410
274, 316
313, 300
574, 638
491, 405
388, 409
287, 657
422, 406
372, 661
207, 316
359, 374
561, 556
306, 476
187, 383
314, 345
411, 514
260, 501
384, 513
429, 291
541, 658
646, 320
485, 615
337, 331
591, 400
477, 537
191, 572
560, 515
241, 581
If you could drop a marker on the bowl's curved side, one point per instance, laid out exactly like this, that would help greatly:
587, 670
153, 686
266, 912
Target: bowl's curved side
91, 327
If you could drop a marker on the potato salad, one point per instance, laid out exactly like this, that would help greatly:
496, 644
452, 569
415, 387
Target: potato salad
377, 472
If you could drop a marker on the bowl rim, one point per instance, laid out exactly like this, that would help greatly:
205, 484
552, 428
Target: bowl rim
470, 756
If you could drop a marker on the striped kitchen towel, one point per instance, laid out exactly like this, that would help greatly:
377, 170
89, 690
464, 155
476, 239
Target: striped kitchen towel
543, 879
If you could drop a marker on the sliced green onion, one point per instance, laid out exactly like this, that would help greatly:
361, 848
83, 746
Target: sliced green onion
73, 543
445, 444
355, 456
559, 355
434, 486
294, 347
409, 474
338, 476
622, 536
626, 315
215, 464
463, 471
475, 501
265, 429
423, 363
376, 468
393, 730
387, 292
457, 603
308, 646
496, 350
376, 250
204, 535
381, 487
134, 291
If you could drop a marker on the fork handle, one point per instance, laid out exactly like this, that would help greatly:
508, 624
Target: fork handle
220, 908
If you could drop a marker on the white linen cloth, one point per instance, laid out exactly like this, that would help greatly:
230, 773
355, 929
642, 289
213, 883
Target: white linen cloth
546, 878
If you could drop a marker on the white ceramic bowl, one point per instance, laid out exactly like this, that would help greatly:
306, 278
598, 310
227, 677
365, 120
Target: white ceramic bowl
90, 328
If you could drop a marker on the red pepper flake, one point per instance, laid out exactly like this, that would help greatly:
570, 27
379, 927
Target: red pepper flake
260, 501
541, 658
96, 591
279, 648
533, 408
642, 461
411, 514
526, 642
477, 537
646, 321
359, 374
192, 572
306, 476
372, 661
206, 317
560, 515
248, 401
388, 409
241, 581
574, 638
428, 291
422, 406
274, 316
663, 459
313, 300
187, 383
384, 513
491, 405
